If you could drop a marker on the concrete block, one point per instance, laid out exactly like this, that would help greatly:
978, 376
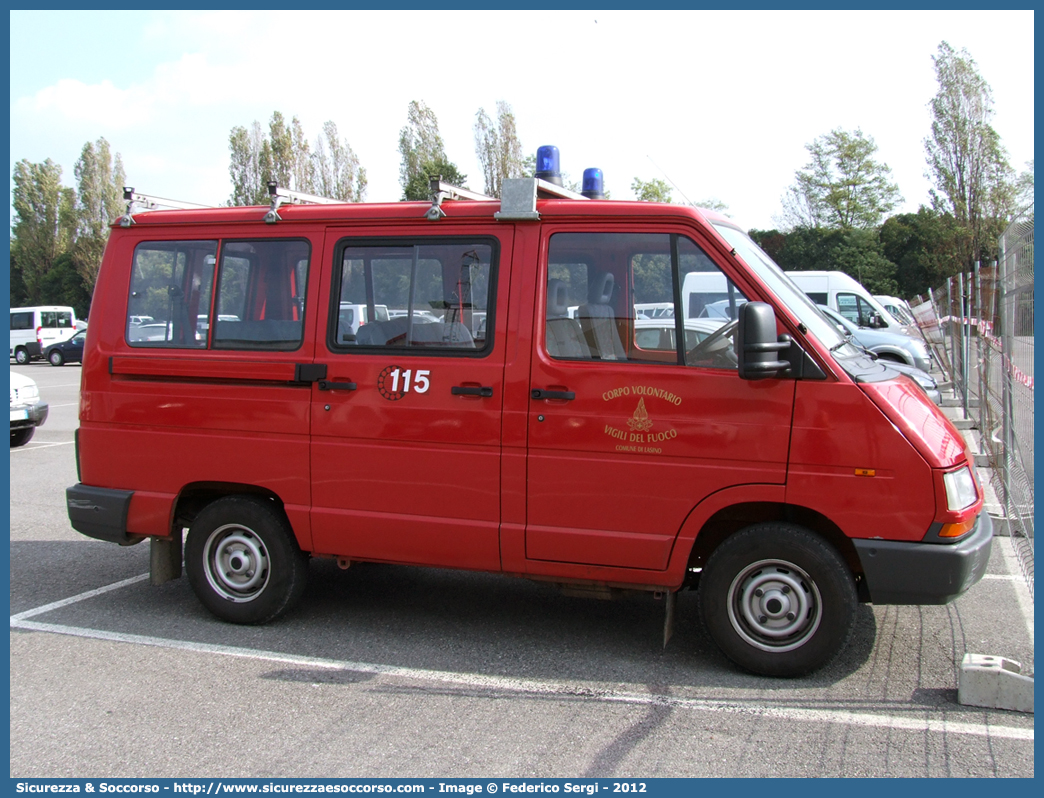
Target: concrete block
994, 683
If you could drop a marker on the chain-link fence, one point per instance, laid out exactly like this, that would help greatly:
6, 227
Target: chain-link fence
980, 328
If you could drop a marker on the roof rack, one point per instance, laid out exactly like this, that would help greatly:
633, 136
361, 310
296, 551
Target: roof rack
284, 196
519, 196
144, 202
443, 191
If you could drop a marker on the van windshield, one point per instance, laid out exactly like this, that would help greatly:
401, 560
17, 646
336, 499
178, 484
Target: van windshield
785, 290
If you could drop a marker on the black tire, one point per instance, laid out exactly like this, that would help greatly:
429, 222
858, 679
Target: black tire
22, 436
56, 358
22, 356
243, 561
778, 600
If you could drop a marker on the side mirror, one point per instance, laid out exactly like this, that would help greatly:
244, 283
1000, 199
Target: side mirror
757, 346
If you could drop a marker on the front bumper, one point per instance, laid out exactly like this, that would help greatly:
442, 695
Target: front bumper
28, 415
925, 573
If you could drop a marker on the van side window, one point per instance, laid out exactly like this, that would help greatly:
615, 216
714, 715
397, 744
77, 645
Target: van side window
22, 320
171, 284
260, 295
819, 297
631, 297
428, 295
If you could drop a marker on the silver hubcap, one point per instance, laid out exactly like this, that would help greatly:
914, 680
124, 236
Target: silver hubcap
774, 605
236, 563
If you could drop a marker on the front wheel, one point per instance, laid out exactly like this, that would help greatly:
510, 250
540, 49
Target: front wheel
778, 600
243, 561
56, 358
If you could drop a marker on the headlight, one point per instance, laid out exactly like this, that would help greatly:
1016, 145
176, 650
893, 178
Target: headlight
924, 381
960, 489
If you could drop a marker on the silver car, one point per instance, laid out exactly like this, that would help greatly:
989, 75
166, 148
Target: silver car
887, 346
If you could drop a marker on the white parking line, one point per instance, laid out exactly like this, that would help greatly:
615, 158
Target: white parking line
54, 605
41, 446
522, 686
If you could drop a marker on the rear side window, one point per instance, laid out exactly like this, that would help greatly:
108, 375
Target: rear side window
171, 284
22, 320
261, 295
182, 297
421, 295
820, 298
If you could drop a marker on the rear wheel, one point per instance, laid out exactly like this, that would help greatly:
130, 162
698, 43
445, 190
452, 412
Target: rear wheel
778, 600
56, 358
20, 437
22, 356
243, 561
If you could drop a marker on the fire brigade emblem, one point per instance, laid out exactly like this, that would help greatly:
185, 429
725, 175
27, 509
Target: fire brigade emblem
640, 421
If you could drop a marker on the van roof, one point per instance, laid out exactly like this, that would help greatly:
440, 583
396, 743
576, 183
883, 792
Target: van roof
398, 211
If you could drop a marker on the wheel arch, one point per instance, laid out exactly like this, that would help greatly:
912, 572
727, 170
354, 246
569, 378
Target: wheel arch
893, 353
192, 498
729, 520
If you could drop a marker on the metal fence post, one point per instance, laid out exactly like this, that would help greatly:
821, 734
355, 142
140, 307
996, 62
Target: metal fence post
979, 348
1006, 398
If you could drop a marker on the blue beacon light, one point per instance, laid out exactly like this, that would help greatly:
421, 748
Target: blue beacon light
547, 164
592, 185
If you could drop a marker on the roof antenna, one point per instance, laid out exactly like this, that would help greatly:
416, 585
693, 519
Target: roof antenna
673, 184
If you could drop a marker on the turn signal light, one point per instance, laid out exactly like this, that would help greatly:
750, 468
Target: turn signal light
956, 530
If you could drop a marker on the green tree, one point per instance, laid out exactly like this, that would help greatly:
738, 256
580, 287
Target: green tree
654, 190
925, 247
284, 155
858, 253
498, 149
246, 168
44, 225
100, 179
64, 285
336, 168
291, 155
842, 186
973, 180
418, 188
422, 154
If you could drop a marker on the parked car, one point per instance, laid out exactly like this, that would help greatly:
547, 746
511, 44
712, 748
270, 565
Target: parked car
27, 411
661, 333
70, 351
887, 346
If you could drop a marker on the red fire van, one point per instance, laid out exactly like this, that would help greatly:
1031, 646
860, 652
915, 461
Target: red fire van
501, 415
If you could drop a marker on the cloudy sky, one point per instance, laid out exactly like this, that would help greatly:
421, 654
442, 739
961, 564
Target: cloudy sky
719, 104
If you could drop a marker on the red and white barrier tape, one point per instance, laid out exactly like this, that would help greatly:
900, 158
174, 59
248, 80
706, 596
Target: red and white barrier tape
986, 331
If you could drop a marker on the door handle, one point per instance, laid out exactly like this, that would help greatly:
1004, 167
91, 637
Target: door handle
326, 385
462, 390
540, 393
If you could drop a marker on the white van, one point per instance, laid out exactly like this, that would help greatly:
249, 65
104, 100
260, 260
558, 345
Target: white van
351, 317
34, 329
710, 295
847, 296
899, 308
